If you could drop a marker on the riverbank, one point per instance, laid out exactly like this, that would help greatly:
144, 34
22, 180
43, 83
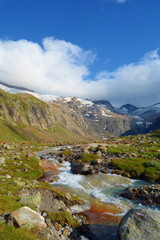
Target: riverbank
85, 172
25, 183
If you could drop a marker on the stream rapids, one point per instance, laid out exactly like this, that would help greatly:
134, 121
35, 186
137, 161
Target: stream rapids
100, 192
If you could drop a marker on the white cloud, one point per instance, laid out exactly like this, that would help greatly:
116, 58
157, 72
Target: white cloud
121, 1
61, 68
57, 66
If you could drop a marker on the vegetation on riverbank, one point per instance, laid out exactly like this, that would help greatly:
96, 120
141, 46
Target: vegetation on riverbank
139, 156
10, 233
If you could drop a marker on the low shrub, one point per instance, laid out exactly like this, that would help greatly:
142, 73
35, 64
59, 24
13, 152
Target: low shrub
134, 166
152, 174
63, 218
66, 153
88, 157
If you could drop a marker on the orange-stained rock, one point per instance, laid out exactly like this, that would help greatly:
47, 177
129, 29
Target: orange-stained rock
101, 213
51, 171
66, 231
57, 226
48, 165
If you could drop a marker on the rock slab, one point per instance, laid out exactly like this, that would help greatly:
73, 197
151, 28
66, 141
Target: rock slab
139, 224
25, 215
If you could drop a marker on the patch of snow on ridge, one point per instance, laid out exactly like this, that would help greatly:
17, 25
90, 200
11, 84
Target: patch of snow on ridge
125, 109
6, 89
78, 100
139, 120
87, 115
139, 123
104, 113
67, 99
44, 97
85, 102
148, 123
155, 107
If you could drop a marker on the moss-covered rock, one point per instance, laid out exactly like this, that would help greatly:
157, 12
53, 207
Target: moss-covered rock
32, 200
140, 224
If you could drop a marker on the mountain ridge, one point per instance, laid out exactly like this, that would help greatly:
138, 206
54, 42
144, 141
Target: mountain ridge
82, 117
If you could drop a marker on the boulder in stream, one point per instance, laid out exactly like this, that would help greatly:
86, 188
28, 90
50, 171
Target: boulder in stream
139, 224
145, 194
80, 168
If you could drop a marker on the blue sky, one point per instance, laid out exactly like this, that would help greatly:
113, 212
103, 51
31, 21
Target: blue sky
110, 45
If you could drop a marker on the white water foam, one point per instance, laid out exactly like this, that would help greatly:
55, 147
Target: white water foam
114, 214
153, 208
76, 181
66, 177
98, 193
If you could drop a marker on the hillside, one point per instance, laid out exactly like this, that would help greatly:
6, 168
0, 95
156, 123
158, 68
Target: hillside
24, 117
30, 115
35, 116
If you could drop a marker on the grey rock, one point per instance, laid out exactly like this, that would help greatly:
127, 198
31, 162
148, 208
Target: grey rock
26, 215
80, 208
139, 224
80, 168
97, 161
32, 200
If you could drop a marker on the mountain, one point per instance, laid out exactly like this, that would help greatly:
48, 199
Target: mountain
144, 117
100, 121
81, 117
24, 117
128, 107
104, 103
71, 117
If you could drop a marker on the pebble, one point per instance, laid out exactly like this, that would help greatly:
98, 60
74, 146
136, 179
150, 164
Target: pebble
57, 226
66, 231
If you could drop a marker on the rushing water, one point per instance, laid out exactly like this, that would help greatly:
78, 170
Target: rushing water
100, 190
104, 187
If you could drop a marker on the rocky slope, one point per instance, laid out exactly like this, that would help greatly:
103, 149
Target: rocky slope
25, 117
82, 117
100, 121
145, 117
79, 116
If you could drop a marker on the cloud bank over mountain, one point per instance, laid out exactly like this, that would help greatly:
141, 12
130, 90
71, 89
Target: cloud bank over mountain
62, 68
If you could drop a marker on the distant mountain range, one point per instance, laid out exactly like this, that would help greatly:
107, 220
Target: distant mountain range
81, 117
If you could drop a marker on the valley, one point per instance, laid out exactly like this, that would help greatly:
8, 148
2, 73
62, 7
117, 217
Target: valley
66, 162
38, 175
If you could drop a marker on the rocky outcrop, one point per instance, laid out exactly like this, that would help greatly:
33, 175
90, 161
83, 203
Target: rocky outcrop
32, 200
145, 194
139, 224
